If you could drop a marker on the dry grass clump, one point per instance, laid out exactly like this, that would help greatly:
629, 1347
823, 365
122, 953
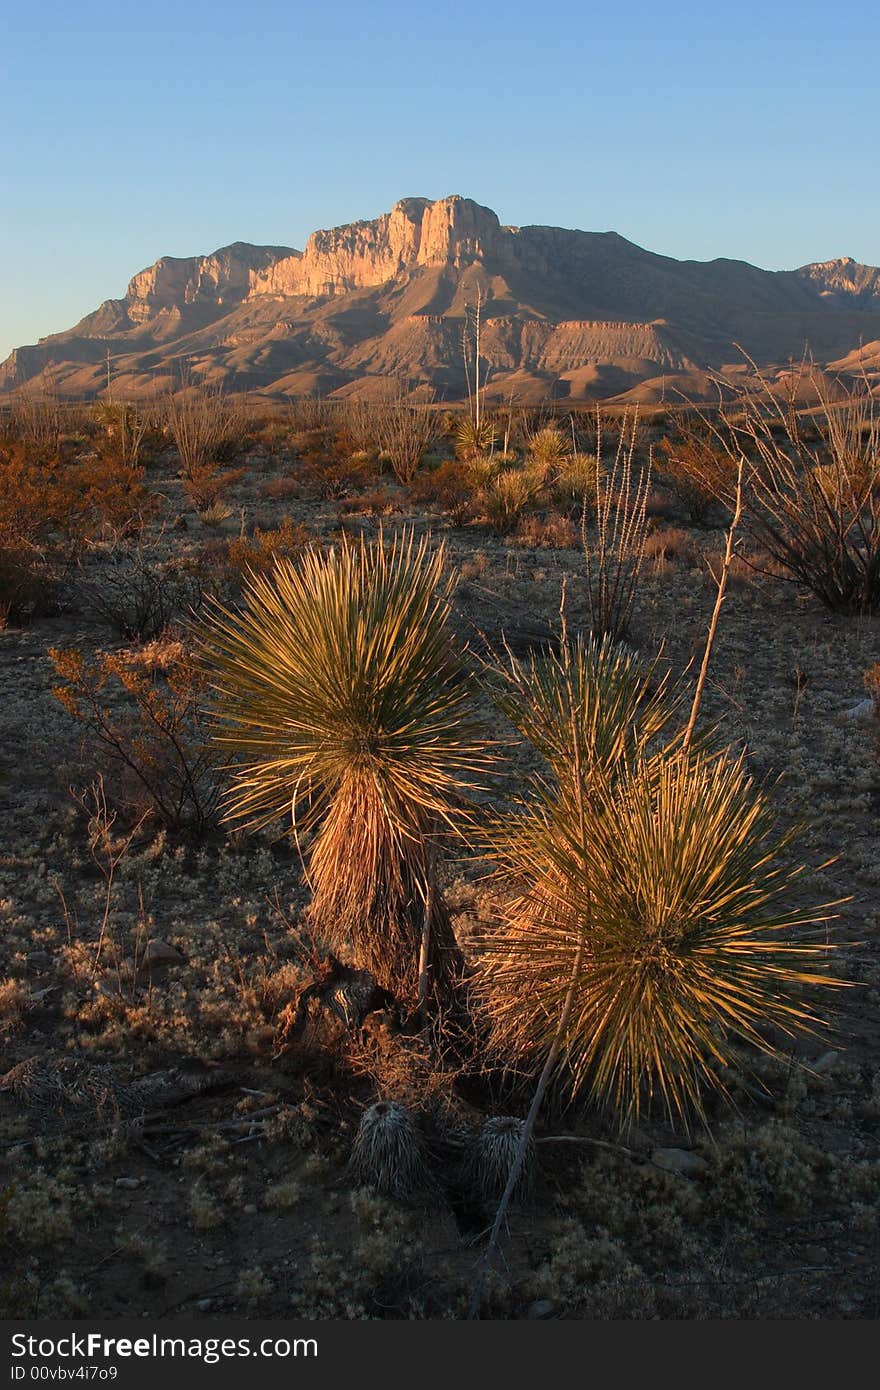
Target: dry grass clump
15, 1001
341, 690
547, 532
669, 543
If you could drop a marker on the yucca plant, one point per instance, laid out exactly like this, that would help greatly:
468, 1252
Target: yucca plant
658, 902
344, 695
593, 693
575, 485
508, 494
549, 447
473, 438
651, 921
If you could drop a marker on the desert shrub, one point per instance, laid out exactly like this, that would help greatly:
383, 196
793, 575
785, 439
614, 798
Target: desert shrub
340, 689
305, 413
38, 421
450, 485
137, 597
147, 727
49, 511
258, 552
207, 483
696, 470
652, 917
207, 427
331, 476
405, 433
811, 495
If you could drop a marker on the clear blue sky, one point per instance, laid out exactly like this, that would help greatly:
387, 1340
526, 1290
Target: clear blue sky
696, 129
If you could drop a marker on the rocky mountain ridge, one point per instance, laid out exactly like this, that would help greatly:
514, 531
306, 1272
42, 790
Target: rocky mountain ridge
378, 306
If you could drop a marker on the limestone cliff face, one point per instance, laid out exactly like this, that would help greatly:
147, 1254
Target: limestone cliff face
843, 280
223, 278
451, 232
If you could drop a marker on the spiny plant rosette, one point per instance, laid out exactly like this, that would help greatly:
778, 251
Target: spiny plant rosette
495, 1148
651, 884
340, 688
389, 1151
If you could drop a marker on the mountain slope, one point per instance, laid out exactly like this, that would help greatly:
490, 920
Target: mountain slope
379, 304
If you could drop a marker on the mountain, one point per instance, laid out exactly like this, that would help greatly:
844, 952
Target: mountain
380, 306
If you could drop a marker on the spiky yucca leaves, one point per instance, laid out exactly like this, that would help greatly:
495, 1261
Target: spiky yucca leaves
341, 689
549, 447
673, 882
594, 693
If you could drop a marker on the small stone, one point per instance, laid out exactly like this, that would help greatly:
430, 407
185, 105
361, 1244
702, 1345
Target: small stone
129, 1184
680, 1161
826, 1062
203, 1304
865, 709
541, 1309
250, 1209
160, 953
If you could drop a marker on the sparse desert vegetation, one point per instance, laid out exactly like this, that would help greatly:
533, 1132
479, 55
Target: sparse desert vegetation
351, 784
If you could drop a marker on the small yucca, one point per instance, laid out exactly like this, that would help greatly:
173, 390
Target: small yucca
508, 494
341, 688
491, 1157
389, 1151
473, 438
651, 922
662, 893
549, 447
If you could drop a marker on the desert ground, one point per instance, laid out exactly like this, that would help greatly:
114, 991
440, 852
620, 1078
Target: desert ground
139, 944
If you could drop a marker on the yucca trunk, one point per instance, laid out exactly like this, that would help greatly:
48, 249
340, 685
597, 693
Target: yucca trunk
376, 900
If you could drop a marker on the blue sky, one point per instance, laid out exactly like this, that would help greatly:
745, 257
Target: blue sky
695, 129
